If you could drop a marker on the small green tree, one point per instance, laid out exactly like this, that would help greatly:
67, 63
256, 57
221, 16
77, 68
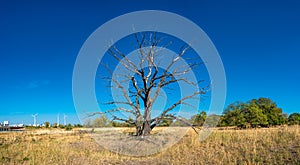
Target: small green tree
69, 127
102, 121
54, 125
294, 118
47, 124
61, 126
116, 124
78, 125
166, 122
199, 119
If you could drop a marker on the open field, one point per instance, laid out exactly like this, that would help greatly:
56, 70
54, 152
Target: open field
254, 146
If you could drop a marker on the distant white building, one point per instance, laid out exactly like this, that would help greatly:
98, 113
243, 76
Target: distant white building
5, 123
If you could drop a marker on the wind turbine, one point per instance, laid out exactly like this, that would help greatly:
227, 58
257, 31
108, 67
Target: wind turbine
34, 119
65, 122
58, 120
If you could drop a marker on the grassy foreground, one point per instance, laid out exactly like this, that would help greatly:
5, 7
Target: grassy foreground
254, 146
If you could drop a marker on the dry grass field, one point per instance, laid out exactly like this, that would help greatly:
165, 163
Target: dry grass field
253, 146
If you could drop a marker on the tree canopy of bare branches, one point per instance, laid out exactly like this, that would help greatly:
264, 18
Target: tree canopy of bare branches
146, 78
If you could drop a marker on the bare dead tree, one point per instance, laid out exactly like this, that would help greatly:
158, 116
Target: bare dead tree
147, 83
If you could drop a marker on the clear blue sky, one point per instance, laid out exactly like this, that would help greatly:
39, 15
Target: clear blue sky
257, 41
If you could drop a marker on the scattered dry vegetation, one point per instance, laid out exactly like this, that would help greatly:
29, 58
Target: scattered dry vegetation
253, 146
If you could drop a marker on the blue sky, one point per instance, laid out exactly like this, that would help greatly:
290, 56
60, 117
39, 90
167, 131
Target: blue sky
258, 42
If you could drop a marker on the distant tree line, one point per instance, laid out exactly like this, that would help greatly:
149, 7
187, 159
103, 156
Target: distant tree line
55, 125
261, 112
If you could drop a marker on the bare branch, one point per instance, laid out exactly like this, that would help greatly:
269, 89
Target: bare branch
119, 102
121, 119
111, 111
181, 101
115, 52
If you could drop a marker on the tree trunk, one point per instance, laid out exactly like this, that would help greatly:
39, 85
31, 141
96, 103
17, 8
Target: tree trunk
146, 128
138, 131
147, 117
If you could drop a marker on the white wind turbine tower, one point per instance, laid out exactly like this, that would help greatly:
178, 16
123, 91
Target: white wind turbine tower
34, 119
65, 121
58, 120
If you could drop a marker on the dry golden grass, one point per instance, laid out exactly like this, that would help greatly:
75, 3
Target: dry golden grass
255, 146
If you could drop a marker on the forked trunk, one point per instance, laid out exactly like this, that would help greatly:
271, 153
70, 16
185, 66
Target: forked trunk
139, 131
146, 129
